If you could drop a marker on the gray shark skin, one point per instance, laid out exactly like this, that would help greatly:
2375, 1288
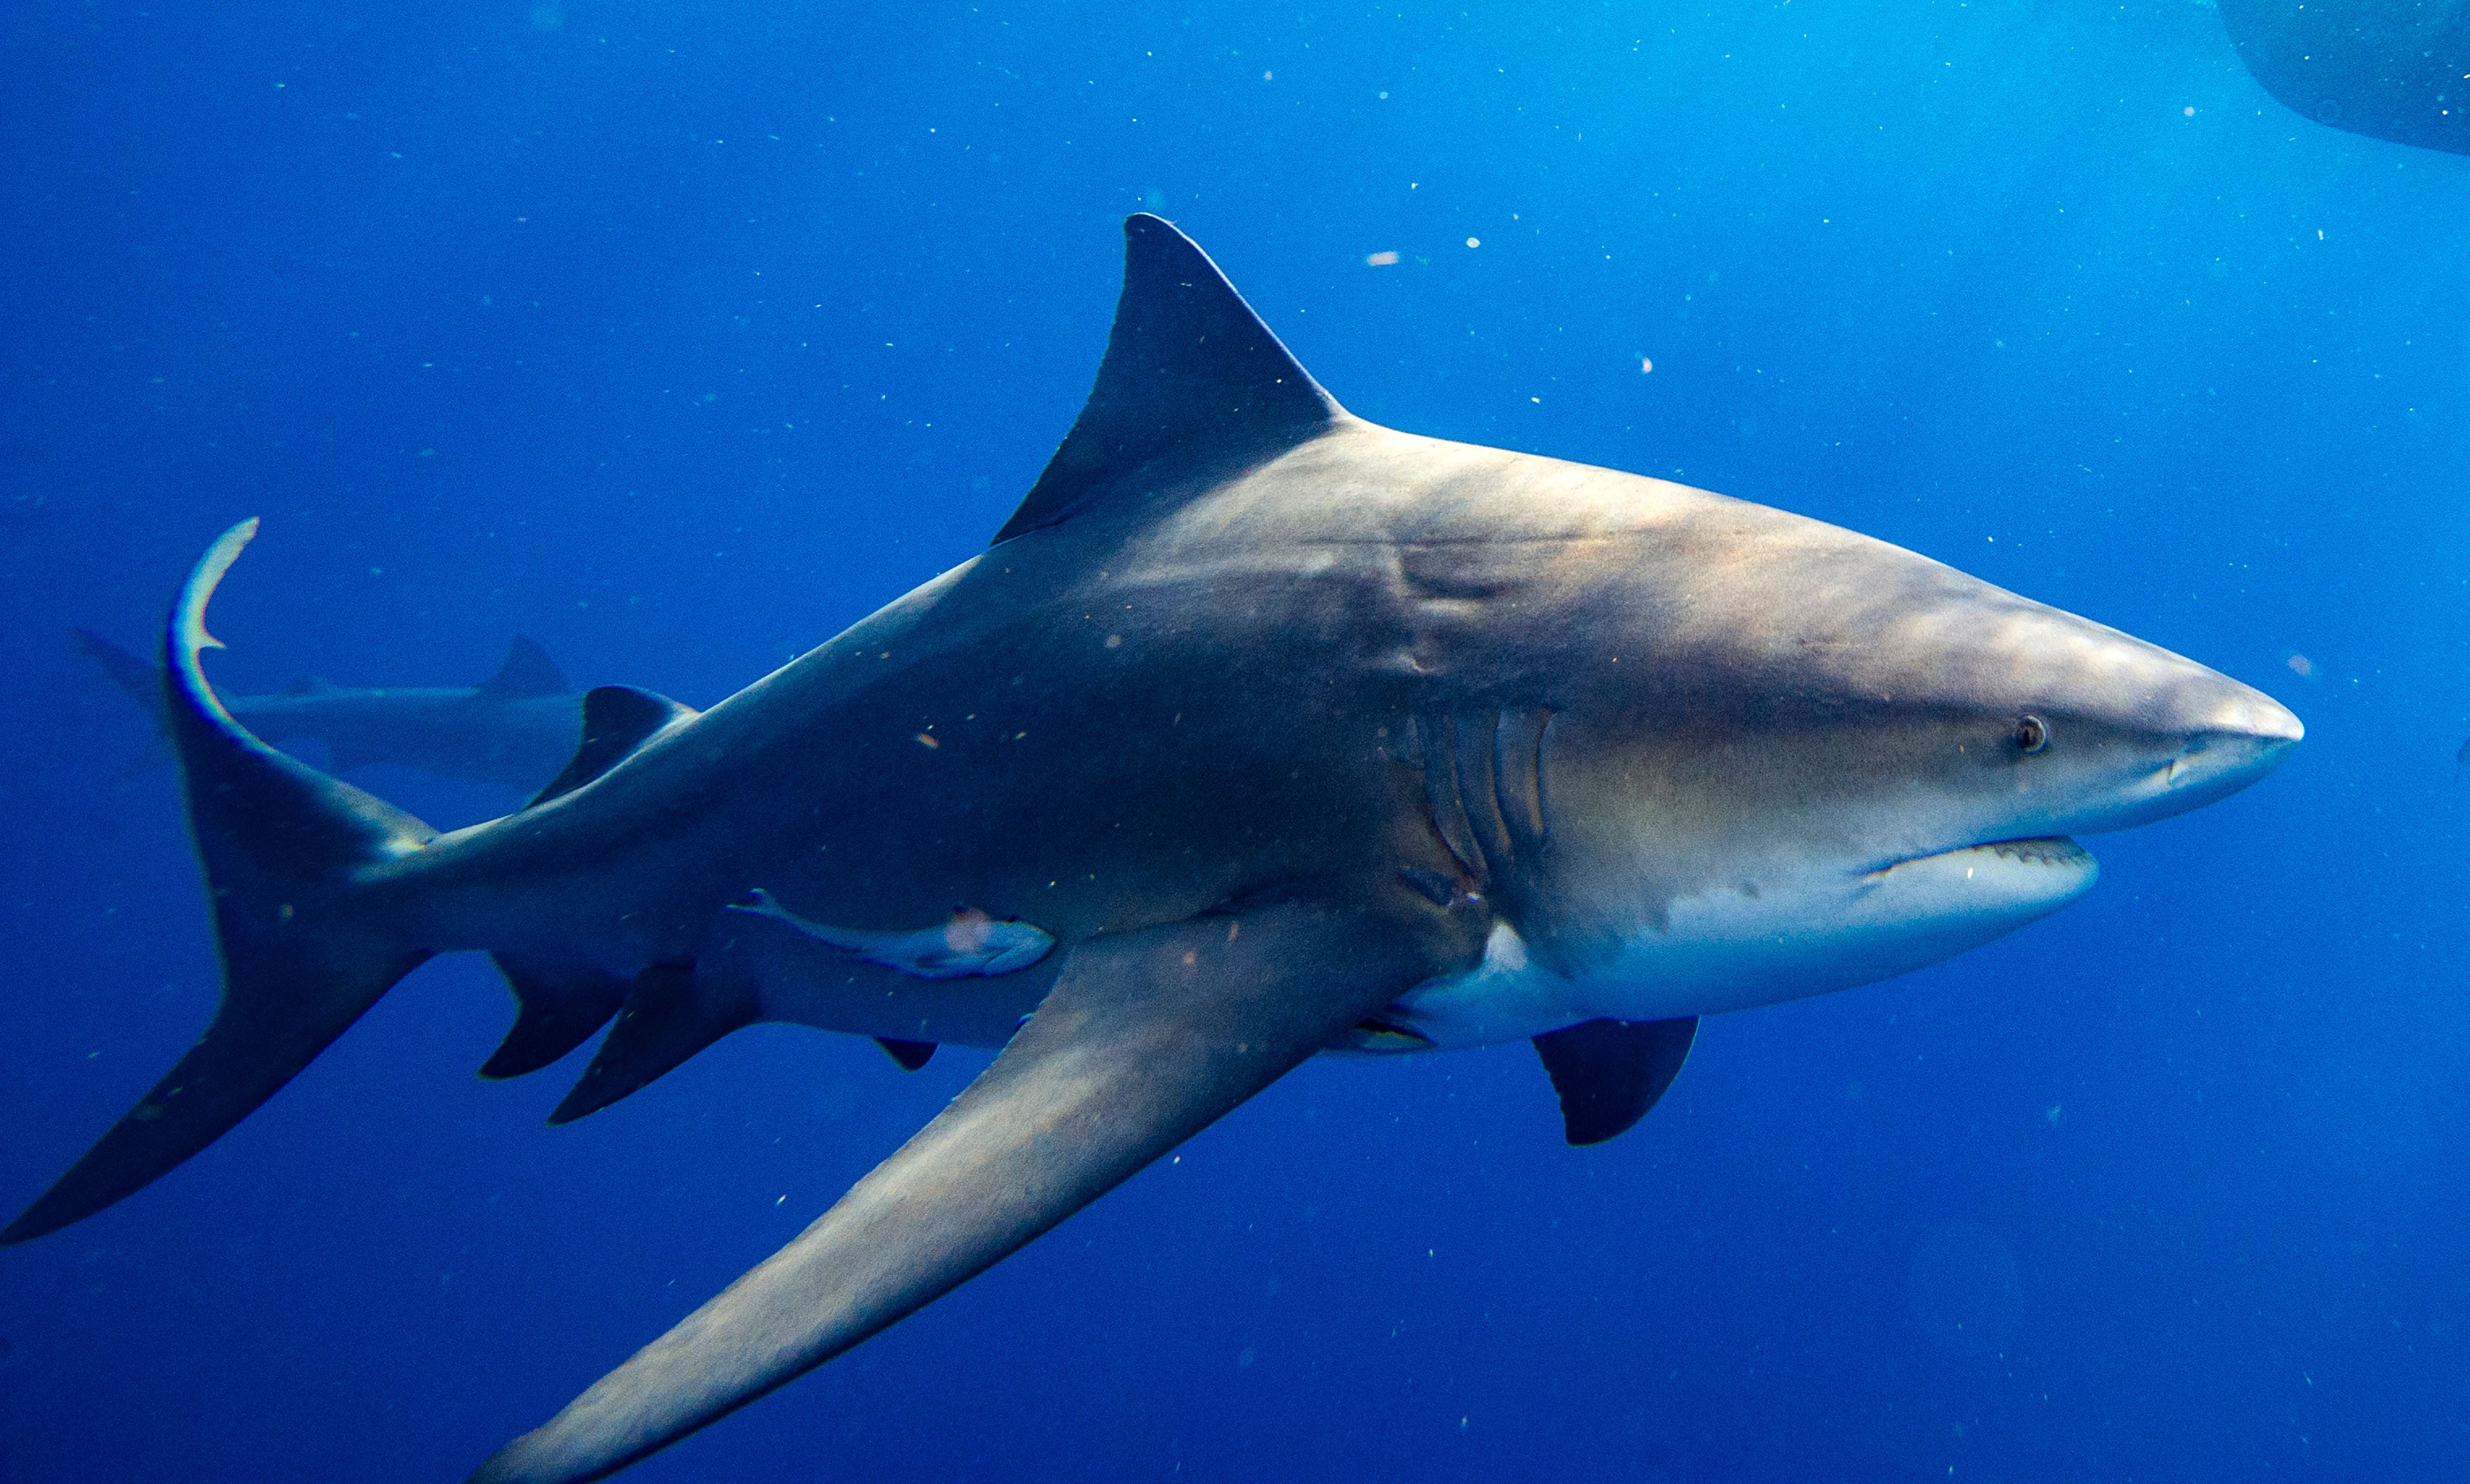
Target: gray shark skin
1285, 734
2396, 70
517, 727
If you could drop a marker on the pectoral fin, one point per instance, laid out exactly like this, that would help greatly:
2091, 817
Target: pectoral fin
1610, 1072
1147, 1038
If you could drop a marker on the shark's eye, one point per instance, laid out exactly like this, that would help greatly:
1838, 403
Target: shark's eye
2030, 733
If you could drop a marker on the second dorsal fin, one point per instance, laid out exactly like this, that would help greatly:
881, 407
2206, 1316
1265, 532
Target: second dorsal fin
617, 720
1190, 372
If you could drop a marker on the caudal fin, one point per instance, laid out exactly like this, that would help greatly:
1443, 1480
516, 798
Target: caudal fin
138, 678
284, 848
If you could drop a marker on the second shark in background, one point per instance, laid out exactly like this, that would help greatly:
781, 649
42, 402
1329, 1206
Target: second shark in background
517, 727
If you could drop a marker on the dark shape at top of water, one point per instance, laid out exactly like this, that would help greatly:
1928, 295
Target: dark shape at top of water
2397, 70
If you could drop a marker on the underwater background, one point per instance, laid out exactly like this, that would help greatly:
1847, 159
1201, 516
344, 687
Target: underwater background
680, 336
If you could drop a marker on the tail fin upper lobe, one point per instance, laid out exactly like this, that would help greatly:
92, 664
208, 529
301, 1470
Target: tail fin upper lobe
284, 847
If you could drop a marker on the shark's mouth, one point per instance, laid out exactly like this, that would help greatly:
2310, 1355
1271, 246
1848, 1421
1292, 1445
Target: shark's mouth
2037, 850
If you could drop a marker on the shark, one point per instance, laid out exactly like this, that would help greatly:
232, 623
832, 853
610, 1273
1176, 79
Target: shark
2396, 70
517, 728
1260, 733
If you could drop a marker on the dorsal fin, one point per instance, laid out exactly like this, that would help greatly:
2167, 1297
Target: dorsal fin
528, 671
617, 720
306, 686
1190, 371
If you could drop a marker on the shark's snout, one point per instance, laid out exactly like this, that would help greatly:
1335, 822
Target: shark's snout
2218, 736
2235, 732
2216, 714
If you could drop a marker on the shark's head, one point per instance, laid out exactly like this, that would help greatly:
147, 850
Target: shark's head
1801, 759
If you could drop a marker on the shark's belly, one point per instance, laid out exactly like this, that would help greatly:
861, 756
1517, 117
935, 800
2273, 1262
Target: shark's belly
1728, 949
1707, 952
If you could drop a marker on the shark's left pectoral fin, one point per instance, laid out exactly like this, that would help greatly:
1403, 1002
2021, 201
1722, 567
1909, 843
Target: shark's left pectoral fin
1147, 1038
1610, 1072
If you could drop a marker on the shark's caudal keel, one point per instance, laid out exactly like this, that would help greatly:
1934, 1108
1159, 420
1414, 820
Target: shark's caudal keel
1260, 731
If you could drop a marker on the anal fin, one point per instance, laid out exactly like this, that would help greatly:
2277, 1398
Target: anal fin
1148, 1037
1609, 1073
557, 1008
669, 1016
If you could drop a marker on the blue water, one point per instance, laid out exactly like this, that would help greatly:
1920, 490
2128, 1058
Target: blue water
678, 336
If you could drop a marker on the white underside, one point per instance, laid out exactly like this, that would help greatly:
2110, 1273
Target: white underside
1731, 950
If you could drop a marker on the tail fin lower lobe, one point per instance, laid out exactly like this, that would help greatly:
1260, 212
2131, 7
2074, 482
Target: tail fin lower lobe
284, 848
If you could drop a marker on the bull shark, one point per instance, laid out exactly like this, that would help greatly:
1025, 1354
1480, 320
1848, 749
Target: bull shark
2396, 70
517, 727
1260, 731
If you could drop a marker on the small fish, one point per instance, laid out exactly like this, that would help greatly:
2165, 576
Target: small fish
969, 946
